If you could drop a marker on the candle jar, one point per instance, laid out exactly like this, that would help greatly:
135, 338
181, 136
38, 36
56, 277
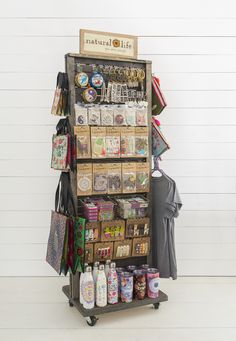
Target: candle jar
139, 284
152, 283
127, 284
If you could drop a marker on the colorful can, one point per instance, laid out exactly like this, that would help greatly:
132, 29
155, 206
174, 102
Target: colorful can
119, 272
139, 284
152, 283
127, 286
131, 268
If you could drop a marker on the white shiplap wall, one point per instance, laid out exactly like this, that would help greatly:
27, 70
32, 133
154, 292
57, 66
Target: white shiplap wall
192, 46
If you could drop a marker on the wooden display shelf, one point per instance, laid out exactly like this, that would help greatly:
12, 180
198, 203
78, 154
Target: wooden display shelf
115, 307
72, 290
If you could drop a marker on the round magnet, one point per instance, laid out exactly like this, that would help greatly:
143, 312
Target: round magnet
81, 79
90, 95
97, 80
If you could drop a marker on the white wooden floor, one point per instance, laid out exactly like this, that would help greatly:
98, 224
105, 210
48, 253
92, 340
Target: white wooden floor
198, 309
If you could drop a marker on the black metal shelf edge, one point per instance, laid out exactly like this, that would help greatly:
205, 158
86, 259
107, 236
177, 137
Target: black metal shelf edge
116, 307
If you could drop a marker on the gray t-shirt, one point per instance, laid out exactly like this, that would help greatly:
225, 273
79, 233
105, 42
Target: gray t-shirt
166, 204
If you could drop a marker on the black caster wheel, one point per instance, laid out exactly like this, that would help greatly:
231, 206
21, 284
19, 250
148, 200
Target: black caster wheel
156, 305
91, 320
71, 304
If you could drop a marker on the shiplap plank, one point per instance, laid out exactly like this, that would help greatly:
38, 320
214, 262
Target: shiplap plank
192, 201
174, 134
203, 185
170, 116
44, 185
147, 45
26, 168
206, 218
169, 81
207, 267
200, 168
198, 116
187, 267
212, 251
31, 235
172, 167
205, 235
198, 235
178, 151
177, 99
22, 219
50, 64
47, 185
104, 9
27, 116
189, 218
136, 26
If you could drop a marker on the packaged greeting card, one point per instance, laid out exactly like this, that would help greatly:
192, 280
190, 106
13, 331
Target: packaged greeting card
130, 114
98, 142
84, 179
128, 177
82, 134
119, 112
114, 178
107, 115
141, 142
142, 113
127, 142
94, 115
99, 178
112, 142
81, 115
142, 176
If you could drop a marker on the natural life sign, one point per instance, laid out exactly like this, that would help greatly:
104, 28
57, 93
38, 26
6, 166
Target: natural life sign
108, 44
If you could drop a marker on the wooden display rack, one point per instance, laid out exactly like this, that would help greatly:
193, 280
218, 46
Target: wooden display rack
72, 290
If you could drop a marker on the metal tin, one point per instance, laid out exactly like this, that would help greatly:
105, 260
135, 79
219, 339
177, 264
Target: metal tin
89, 95
127, 285
139, 284
152, 282
81, 79
97, 80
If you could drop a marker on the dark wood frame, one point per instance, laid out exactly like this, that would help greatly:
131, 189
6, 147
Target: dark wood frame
72, 290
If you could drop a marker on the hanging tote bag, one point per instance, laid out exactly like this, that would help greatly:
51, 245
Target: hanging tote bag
58, 230
159, 143
60, 106
63, 147
158, 99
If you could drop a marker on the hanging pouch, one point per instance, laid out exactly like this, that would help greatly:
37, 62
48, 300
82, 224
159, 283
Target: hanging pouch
158, 99
60, 106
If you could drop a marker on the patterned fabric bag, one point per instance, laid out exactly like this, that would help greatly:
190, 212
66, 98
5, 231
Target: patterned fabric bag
63, 147
158, 99
56, 240
60, 106
66, 241
159, 143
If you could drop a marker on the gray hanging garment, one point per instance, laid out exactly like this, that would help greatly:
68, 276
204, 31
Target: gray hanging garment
166, 204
